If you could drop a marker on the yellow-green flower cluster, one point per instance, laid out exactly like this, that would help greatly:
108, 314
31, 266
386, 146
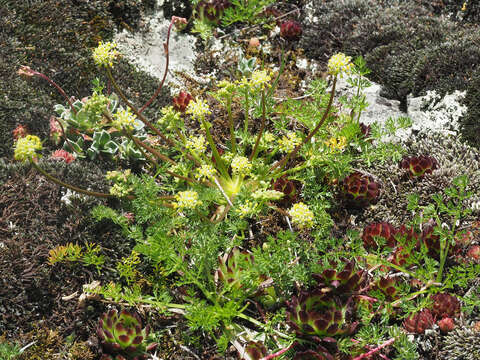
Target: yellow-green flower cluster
105, 53
196, 144
116, 175
198, 109
301, 215
25, 147
336, 144
225, 88
170, 116
187, 200
124, 119
205, 171
260, 79
248, 208
340, 64
267, 139
240, 165
120, 189
268, 195
287, 143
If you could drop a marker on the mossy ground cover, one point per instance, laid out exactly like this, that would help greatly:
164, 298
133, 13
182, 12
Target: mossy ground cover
404, 44
33, 219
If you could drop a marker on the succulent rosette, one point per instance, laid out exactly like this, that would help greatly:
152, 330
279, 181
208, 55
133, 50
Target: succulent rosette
122, 336
212, 10
445, 305
374, 230
233, 266
181, 101
342, 282
387, 286
290, 30
418, 166
419, 322
360, 189
317, 313
255, 350
287, 187
318, 354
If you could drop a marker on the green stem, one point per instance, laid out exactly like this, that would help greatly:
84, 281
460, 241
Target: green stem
247, 108
444, 251
259, 324
233, 140
262, 128
215, 153
283, 161
69, 186
397, 267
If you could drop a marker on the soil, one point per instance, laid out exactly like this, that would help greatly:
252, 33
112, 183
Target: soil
38, 301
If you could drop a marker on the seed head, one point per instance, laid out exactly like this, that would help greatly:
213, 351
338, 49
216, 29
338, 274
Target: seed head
206, 171
287, 143
196, 144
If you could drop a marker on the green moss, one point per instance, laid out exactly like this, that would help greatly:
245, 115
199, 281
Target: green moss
470, 123
57, 41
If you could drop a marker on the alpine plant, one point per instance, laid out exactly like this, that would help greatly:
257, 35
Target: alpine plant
122, 337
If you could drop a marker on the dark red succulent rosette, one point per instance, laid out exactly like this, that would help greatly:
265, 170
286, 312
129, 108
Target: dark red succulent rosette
366, 131
382, 229
181, 101
255, 350
316, 313
288, 188
360, 190
445, 305
213, 9
418, 166
387, 286
291, 30
342, 282
432, 241
419, 322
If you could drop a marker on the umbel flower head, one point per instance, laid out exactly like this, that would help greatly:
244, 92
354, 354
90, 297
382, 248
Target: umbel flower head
124, 119
260, 79
206, 171
105, 53
240, 165
340, 64
198, 109
301, 215
26, 147
187, 200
